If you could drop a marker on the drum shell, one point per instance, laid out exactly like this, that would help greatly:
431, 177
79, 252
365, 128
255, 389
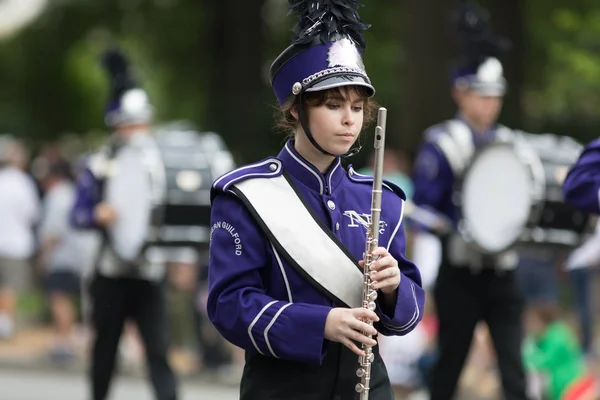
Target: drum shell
191, 163
557, 222
549, 220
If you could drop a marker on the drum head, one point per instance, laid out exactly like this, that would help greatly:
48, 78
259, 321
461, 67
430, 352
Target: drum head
496, 198
129, 191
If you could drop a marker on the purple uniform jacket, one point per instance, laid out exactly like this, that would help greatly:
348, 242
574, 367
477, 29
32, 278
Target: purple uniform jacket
260, 303
86, 198
433, 178
582, 185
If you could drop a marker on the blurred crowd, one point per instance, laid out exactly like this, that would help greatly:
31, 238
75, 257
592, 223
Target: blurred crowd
44, 261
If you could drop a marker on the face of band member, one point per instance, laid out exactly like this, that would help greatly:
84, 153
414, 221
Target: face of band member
127, 131
335, 119
480, 110
15, 154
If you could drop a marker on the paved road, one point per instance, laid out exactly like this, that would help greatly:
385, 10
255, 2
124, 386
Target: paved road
26, 385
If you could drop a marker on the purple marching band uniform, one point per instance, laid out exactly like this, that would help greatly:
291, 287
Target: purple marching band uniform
262, 304
87, 197
286, 318
434, 177
581, 187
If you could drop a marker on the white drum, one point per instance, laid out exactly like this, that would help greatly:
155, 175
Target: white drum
135, 187
511, 193
160, 186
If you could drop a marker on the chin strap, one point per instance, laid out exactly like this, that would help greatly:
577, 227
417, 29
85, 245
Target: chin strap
352, 152
304, 123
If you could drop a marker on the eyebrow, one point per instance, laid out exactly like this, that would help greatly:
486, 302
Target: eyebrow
340, 97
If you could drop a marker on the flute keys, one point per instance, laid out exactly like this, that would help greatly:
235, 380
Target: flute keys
373, 296
360, 372
359, 387
371, 306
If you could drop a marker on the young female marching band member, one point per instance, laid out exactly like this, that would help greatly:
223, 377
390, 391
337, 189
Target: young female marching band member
287, 231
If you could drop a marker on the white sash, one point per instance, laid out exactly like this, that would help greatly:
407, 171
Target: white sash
457, 145
306, 245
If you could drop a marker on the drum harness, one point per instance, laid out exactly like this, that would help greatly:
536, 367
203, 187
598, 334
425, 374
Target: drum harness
457, 146
109, 154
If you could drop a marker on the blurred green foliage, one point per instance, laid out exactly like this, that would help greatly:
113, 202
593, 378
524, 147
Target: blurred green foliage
186, 51
562, 92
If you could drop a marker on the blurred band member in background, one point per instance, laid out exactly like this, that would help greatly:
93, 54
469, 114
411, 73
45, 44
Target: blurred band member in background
114, 196
19, 213
470, 287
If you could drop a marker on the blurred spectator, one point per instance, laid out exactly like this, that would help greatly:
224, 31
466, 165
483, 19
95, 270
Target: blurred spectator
552, 351
537, 274
61, 256
182, 275
19, 211
580, 266
396, 169
49, 154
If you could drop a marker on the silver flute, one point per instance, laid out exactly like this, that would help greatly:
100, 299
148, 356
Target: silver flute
369, 294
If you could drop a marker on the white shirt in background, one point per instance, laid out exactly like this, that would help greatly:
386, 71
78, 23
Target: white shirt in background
19, 212
588, 254
76, 249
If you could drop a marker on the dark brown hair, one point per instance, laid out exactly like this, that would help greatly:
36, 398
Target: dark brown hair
287, 123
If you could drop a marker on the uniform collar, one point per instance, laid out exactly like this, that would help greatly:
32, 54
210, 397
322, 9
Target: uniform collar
479, 138
307, 173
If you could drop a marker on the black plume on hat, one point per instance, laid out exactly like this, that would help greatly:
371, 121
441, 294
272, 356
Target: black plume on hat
119, 72
477, 39
326, 53
327, 20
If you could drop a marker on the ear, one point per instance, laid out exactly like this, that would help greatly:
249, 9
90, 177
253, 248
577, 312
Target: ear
294, 112
457, 94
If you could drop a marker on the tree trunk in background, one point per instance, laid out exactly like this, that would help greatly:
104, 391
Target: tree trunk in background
238, 95
507, 20
425, 70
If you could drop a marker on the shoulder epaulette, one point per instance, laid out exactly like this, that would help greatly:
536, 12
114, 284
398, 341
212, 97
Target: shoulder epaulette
267, 168
360, 178
432, 133
454, 140
99, 164
505, 134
